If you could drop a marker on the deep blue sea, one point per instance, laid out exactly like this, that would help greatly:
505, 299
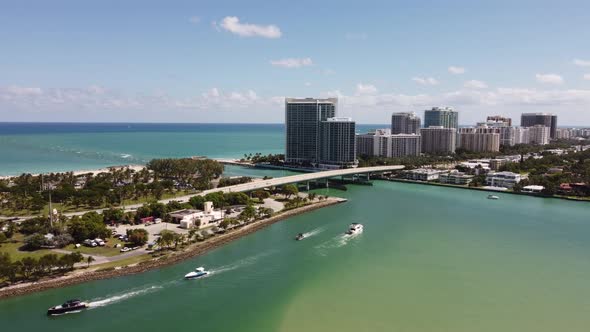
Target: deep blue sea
52, 147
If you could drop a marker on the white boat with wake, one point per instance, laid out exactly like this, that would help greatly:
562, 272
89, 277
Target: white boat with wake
354, 228
493, 197
197, 273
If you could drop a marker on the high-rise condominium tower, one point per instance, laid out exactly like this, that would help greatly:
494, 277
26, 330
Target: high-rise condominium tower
543, 119
445, 117
405, 123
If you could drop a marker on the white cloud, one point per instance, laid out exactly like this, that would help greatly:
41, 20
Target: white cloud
425, 80
356, 36
475, 84
233, 25
307, 83
365, 89
581, 63
365, 103
587, 77
549, 78
456, 70
194, 19
292, 62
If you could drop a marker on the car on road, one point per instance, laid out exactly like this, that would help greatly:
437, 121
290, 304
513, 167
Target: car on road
125, 249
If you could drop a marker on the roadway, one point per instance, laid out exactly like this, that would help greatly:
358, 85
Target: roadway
261, 184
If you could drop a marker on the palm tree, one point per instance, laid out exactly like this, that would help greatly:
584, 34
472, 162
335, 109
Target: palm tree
89, 260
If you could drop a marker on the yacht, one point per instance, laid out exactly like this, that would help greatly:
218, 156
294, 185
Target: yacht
354, 228
67, 307
197, 273
493, 197
300, 237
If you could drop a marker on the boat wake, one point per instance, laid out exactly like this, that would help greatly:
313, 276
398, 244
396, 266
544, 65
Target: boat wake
334, 243
313, 232
239, 264
102, 302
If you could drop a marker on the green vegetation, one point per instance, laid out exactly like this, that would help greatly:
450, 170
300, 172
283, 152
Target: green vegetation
226, 182
162, 178
273, 159
31, 268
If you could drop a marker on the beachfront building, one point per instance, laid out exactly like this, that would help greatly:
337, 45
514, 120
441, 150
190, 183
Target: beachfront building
539, 135
315, 137
542, 119
445, 117
405, 123
302, 122
381, 143
504, 179
479, 139
189, 218
337, 143
500, 118
455, 177
423, 174
438, 140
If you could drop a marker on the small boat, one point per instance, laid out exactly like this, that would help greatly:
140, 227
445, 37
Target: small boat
197, 273
68, 307
300, 237
493, 197
354, 228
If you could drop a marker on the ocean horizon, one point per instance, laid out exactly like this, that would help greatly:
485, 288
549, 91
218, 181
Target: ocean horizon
43, 147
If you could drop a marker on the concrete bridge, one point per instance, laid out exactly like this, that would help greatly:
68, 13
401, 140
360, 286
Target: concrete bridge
300, 178
261, 184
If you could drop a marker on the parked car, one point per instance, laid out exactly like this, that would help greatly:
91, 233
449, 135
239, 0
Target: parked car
125, 249
90, 243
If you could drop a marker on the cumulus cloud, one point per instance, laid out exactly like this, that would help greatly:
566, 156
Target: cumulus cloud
194, 19
233, 25
581, 63
365, 89
292, 62
21, 103
425, 80
475, 84
456, 70
549, 78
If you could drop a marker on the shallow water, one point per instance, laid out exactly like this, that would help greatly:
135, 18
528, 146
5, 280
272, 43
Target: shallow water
429, 259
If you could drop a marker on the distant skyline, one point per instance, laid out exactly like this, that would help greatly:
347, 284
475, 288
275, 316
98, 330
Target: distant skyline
235, 61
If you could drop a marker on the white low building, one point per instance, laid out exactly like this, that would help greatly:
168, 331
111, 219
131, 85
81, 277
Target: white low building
188, 218
423, 174
504, 179
532, 189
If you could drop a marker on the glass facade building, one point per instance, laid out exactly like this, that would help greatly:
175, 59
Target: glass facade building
445, 117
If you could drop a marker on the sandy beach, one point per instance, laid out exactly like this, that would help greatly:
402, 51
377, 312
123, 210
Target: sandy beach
135, 168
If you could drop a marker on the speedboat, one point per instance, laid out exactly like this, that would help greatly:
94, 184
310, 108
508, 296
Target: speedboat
197, 273
67, 307
354, 228
300, 237
493, 197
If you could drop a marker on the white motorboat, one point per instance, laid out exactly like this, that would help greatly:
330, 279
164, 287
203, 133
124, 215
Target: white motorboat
354, 228
493, 197
197, 273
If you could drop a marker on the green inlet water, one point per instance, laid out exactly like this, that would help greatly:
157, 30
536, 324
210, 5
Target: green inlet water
430, 259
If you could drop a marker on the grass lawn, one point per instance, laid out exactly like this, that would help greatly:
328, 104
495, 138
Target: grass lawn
108, 250
16, 254
69, 208
124, 262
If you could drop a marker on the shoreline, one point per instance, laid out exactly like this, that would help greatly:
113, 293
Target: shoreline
135, 167
444, 185
172, 258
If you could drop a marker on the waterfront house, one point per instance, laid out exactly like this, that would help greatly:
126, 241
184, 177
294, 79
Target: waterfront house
504, 179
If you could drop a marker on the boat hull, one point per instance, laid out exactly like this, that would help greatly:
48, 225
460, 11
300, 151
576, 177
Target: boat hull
62, 311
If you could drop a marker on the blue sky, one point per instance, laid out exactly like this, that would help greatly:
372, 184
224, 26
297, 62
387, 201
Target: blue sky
235, 61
